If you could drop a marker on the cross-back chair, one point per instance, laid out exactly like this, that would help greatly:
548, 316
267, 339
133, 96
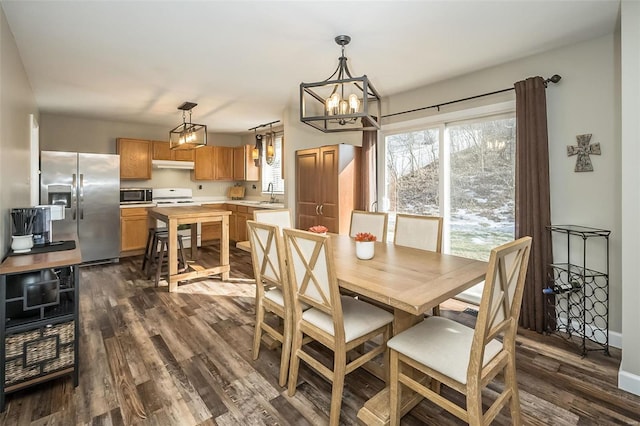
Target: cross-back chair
339, 323
280, 217
372, 222
463, 358
420, 232
272, 293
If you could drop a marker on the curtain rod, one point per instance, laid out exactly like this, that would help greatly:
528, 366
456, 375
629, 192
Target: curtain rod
553, 79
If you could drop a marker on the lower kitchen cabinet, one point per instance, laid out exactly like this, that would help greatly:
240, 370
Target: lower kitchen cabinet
134, 229
39, 325
211, 231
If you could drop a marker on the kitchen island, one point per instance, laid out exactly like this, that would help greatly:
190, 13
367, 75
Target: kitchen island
192, 215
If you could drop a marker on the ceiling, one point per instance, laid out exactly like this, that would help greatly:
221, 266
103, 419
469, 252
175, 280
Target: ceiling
243, 61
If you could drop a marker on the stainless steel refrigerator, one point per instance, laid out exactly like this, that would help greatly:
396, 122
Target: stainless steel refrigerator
88, 185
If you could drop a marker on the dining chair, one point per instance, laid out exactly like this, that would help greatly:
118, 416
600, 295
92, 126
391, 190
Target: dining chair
272, 293
420, 232
372, 222
340, 323
463, 358
417, 231
280, 217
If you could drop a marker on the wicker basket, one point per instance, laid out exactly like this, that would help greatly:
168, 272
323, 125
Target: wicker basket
37, 352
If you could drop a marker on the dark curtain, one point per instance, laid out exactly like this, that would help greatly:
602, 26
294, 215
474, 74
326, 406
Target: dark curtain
533, 211
368, 170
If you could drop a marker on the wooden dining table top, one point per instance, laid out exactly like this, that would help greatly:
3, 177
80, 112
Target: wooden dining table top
404, 278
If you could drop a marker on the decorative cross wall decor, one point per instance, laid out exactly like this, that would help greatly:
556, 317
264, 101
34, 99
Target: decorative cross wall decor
583, 149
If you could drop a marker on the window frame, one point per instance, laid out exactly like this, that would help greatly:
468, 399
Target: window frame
278, 140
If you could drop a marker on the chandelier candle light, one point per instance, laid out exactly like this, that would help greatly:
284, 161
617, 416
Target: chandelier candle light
365, 245
341, 103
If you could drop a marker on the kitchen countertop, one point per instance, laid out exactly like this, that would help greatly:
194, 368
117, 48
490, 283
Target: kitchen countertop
208, 201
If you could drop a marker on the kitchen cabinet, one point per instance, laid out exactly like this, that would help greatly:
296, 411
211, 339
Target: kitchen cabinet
244, 167
134, 229
39, 325
211, 231
161, 151
223, 162
244, 213
203, 163
135, 158
327, 186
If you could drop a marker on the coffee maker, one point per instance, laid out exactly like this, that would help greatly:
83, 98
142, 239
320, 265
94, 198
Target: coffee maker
42, 229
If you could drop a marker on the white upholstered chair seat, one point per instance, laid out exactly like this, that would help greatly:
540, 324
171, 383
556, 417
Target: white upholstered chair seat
360, 318
276, 296
443, 345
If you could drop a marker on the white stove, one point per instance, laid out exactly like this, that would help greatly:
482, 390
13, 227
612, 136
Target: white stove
177, 197
173, 197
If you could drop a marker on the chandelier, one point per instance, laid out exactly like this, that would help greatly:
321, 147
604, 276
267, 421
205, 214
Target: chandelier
187, 135
341, 103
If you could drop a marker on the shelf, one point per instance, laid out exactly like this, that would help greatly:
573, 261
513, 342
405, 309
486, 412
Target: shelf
583, 231
577, 270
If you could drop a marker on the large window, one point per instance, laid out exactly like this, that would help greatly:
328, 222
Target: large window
272, 173
462, 170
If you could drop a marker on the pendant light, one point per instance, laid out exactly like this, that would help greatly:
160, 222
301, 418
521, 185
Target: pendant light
341, 103
187, 135
270, 155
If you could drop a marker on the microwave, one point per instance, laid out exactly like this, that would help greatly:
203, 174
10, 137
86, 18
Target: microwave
136, 195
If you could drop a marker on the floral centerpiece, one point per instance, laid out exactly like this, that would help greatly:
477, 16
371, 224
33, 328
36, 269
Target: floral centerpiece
365, 236
318, 229
365, 245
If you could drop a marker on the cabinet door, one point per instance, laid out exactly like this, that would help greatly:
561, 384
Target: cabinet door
241, 225
203, 166
238, 163
183, 154
133, 229
161, 150
307, 187
233, 230
223, 161
135, 158
329, 197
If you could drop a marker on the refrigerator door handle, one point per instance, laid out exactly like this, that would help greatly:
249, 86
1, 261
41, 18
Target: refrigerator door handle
73, 196
81, 201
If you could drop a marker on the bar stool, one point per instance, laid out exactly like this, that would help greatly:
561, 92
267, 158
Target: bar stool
163, 240
150, 250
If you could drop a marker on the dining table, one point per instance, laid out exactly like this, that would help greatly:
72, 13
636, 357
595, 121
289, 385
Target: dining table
192, 215
407, 281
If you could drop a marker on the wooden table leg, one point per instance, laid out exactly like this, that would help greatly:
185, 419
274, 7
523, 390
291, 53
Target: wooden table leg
172, 226
224, 246
194, 241
376, 410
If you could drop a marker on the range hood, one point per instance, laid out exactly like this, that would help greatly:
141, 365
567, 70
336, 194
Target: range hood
168, 164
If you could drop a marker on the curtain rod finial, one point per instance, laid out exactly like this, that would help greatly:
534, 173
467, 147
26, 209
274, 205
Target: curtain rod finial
554, 78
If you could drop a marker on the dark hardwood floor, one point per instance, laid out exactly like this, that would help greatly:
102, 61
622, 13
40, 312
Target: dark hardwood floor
153, 358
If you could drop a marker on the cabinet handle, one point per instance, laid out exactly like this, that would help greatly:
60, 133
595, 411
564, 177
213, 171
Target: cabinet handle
317, 209
321, 208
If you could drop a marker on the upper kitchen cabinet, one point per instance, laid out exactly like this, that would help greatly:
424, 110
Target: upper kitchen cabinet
161, 151
223, 162
327, 186
244, 168
135, 158
203, 163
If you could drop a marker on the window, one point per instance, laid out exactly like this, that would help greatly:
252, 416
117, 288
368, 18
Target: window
272, 173
460, 169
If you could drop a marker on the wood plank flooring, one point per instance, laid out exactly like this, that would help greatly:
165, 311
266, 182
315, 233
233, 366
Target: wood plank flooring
153, 358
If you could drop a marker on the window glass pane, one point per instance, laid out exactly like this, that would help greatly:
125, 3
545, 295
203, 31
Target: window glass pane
271, 173
412, 172
482, 173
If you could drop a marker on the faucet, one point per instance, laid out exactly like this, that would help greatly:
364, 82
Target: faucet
270, 189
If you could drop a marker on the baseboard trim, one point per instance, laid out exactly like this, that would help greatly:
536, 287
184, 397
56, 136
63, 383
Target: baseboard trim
629, 382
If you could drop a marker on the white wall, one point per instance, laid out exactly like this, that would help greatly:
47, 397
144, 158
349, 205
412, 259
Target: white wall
17, 102
629, 376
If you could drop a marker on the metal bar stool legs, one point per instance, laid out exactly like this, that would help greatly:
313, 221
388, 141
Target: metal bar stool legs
150, 250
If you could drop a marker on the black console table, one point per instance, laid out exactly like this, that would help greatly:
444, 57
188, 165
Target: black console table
39, 319
577, 296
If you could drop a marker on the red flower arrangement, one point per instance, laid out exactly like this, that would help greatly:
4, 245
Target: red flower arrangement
318, 229
364, 236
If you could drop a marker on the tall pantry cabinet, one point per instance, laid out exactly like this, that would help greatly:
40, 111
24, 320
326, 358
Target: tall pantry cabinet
327, 186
